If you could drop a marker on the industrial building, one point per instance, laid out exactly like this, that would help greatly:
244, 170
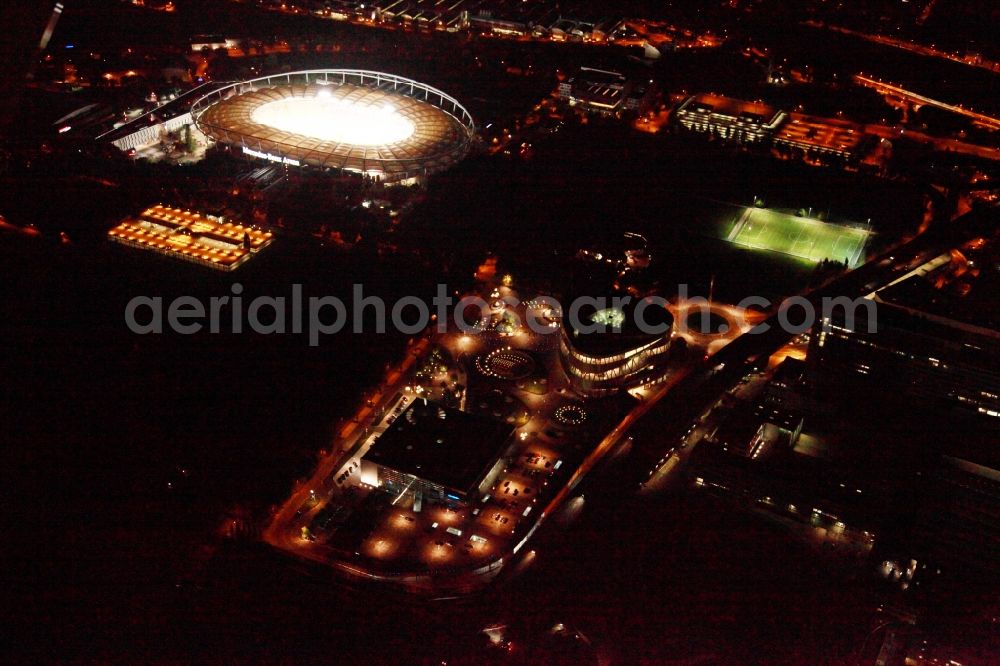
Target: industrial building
606, 92
934, 339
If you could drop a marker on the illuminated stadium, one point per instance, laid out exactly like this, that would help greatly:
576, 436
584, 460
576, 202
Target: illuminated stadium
360, 121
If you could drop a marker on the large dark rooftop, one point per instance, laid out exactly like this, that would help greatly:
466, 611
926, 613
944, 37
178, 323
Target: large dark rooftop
968, 299
442, 445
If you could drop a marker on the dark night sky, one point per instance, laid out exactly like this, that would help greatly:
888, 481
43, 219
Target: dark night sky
23, 25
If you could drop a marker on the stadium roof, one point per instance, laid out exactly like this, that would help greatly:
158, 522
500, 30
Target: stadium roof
445, 446
442, 129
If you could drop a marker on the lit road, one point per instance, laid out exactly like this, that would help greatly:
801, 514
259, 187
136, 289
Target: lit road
165, 111
913, 47
611, 439
939, 143
916, 98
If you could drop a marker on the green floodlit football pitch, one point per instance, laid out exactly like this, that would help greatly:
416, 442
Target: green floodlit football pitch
802, 237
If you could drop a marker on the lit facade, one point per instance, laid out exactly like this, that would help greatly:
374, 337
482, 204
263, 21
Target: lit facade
618, 356
935, 362
823, 136
606, 92
730, 119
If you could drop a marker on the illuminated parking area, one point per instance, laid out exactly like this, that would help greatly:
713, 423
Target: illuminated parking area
497, 522
381, 547
438, 552
191, 236
413, 525
540, 458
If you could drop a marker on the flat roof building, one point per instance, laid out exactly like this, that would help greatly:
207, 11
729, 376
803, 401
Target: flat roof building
732, 119
755, 122
192, 236
439, 452
823, 136
934, 337
606, 92
957, 524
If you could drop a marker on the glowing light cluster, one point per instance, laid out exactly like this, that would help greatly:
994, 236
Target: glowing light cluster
612, 317
329, 118
506, 363
191, 236
571, 414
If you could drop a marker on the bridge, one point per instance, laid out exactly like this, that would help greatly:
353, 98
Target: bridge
917, 100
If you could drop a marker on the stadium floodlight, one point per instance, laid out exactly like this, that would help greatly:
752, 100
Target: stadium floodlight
331, 119
356, 121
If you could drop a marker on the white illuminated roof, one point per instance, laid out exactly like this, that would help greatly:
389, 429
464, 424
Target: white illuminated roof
382, 132
333, 119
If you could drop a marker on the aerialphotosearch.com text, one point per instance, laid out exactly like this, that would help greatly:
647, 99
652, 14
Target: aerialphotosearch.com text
319, 316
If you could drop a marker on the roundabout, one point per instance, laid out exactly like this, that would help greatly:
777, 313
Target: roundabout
707, 322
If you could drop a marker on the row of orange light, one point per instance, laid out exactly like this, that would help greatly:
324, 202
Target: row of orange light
134, 231
179, 215
216, 228
186, 252
135, 234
